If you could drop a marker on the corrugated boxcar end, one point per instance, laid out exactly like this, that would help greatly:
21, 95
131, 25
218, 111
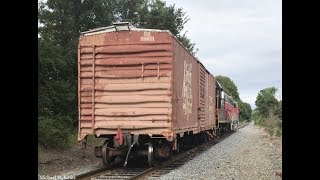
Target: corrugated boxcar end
116, 74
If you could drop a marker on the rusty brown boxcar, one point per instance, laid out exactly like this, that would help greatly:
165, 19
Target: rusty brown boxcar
141, 87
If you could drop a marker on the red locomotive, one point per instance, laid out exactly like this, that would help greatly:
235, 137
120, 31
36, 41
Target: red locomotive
227, 110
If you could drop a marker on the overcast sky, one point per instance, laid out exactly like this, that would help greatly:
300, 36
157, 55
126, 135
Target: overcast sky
241, 39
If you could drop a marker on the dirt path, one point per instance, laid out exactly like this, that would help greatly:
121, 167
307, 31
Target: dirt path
54, 162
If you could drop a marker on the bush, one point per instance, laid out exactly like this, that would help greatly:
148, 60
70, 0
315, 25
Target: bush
54, 131
278, 131
257, 119
268, 112
272, 123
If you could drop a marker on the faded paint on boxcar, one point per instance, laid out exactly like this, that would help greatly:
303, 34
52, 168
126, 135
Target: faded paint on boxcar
187, 89
125, 82
212, 121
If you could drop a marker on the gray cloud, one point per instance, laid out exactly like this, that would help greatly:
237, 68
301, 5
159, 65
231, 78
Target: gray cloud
238, 39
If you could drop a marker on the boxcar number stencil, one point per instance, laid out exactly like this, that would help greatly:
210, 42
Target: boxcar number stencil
146, 36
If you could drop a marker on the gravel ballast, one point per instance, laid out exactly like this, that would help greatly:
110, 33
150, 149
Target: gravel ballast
247, 154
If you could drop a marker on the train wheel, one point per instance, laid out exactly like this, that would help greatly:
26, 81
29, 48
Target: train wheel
150, 155
105, 155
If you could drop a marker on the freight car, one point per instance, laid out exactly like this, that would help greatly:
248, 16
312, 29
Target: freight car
143, 92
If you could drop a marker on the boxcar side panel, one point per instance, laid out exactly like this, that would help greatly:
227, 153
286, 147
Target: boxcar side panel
186, 90
194, 93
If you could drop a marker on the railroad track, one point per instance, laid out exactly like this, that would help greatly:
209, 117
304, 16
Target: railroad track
115, 171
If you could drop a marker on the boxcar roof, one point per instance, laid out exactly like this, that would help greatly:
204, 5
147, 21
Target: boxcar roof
118, 27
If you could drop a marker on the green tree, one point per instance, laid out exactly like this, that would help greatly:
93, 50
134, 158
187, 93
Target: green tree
156, 15
57, 68
188, 44
245, 111
278, 110
229, 87
96, 13
266, 101
269, 111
